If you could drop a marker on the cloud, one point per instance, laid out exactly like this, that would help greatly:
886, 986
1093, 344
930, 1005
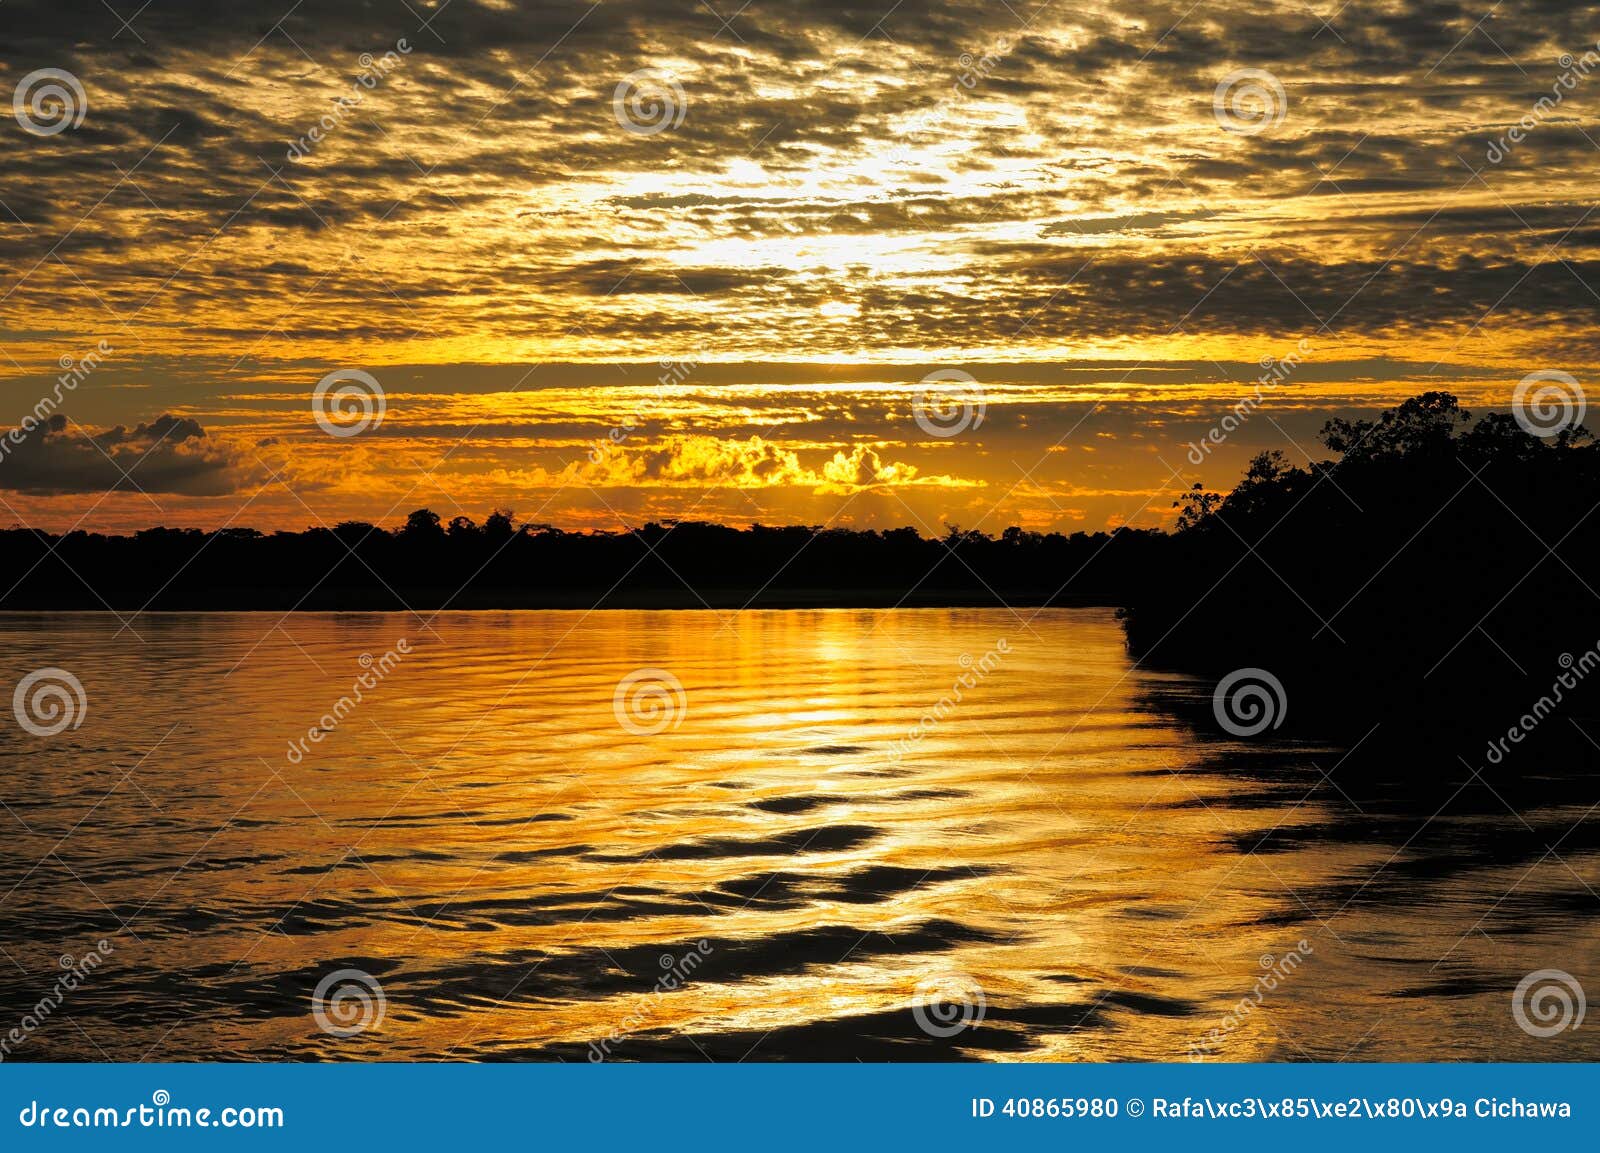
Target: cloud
748, 463
829, 154
170, 454
838, 206
752, 462
862, 468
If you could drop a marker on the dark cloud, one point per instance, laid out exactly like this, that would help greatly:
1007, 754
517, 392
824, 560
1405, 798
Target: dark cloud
170, 454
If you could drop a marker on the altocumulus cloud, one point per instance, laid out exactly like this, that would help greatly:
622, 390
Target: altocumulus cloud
1043, 195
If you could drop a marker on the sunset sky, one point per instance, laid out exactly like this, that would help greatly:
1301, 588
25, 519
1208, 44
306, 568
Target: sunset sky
525, 216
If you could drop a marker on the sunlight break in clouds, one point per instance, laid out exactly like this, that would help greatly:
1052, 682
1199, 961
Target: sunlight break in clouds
512, 215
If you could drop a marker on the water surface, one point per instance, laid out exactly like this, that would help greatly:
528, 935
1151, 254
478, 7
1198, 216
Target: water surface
853, 831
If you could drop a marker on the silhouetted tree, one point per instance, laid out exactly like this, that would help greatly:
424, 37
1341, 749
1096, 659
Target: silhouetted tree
1395, 577
423, 524
500, 526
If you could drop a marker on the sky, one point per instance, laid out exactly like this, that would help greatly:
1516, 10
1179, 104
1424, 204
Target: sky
859, 264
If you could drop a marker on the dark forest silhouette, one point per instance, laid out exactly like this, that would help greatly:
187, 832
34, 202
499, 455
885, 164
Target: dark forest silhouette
1433, 565
1429, 560
426, 564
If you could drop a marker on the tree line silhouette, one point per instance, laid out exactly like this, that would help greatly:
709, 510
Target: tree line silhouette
428, 564
1429, 558
1431, 564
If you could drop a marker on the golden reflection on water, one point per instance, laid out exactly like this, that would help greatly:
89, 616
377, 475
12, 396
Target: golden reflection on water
843, 807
